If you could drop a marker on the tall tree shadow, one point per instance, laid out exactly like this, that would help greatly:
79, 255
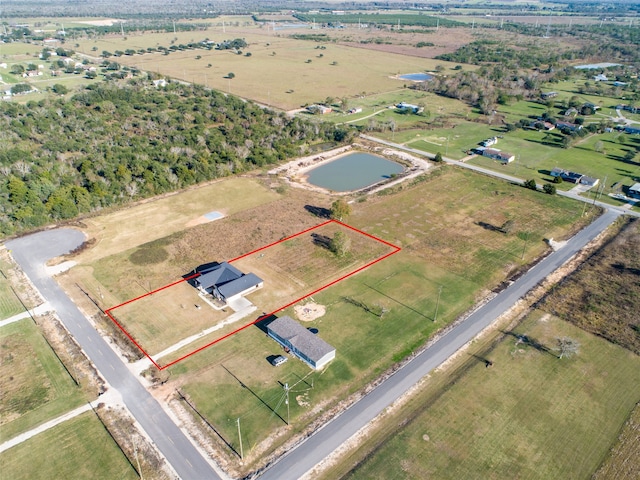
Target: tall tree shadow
320, 212
528, 341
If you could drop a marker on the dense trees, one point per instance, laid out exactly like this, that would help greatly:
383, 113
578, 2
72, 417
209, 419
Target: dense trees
109, 144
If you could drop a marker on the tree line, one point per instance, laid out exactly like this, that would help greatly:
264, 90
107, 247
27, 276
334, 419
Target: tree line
111, 144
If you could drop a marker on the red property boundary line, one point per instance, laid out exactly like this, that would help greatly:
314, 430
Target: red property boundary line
395, 249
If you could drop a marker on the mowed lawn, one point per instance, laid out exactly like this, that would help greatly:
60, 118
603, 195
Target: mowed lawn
530, 416
450, 257
35, 386
77, 448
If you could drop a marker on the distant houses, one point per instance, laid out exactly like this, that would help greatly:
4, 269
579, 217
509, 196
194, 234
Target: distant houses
408, 107
355, 110
628, 108
631, 130
548, 95
568, 126
319, 109
493, 153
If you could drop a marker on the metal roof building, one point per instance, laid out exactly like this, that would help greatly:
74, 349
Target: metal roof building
301, 342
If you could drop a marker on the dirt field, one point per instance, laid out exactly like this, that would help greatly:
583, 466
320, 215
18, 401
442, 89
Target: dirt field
162, 216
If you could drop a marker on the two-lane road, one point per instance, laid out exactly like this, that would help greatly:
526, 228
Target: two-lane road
321, 444
31, 252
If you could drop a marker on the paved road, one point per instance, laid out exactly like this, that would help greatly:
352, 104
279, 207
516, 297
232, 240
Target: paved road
302, 459
503, 176
31, 252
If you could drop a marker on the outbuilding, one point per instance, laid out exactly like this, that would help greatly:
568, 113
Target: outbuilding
305, 345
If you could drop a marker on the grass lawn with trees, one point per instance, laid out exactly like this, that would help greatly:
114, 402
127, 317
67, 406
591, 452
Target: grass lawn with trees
78, 448
530, 415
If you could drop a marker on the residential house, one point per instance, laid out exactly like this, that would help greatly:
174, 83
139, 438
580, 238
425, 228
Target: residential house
547, 95
321, 109
496, 154
634, 191
566, 175
572, 127
601, 77
226, 283
631, 130
409, 107
305, 345
589, 181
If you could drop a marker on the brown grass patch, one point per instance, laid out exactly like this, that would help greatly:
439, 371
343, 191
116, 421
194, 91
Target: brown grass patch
603, 295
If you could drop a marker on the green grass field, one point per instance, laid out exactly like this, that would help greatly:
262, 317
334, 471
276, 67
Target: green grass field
449, 243
281, 71
531, 415
35, 386
77, 448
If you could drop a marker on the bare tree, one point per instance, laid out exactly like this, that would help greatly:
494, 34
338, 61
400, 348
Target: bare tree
567, 347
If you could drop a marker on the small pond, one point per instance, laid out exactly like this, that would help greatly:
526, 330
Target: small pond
353, 172
416, 77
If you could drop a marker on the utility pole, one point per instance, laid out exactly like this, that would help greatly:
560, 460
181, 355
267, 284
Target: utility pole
135, 452
435, 317
526, 239
240, 437
286, 389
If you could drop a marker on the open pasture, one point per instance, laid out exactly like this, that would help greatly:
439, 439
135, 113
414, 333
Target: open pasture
460, 232
35, 386
531, 415
281, 71
77, 448
156, 218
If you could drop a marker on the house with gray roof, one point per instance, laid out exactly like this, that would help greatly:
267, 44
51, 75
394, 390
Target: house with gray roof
301, 342
634, 191
226, 282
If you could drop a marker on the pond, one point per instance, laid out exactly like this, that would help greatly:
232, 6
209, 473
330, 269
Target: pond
416, 77
353, 172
